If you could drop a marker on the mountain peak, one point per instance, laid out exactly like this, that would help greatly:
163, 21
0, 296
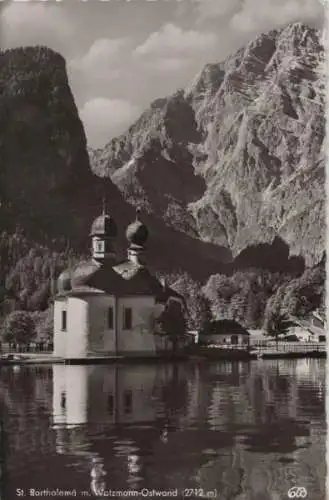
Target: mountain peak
32, 55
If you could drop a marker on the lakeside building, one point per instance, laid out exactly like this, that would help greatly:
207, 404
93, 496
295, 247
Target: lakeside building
109, 308
226, 332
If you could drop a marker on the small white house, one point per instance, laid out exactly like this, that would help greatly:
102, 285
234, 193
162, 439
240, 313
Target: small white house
312, 329
104, 307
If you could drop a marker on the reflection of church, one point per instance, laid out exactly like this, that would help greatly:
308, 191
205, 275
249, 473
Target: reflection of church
113, 395
180, 426
107, 399
104, 307
135, 410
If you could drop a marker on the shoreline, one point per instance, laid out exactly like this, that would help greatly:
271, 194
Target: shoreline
38, 359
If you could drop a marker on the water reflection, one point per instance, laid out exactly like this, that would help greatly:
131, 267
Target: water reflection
248, 430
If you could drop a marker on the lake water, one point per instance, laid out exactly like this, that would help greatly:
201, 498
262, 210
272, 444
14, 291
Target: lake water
219, 430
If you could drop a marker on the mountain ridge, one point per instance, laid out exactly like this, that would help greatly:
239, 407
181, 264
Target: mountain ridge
226, 159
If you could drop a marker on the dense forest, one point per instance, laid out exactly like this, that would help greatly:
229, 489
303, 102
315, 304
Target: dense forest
28, 274
252, 296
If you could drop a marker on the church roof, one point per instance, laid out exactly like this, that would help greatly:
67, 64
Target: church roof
126, 278
64, 281
83, 271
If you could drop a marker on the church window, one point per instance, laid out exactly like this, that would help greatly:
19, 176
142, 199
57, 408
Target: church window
127, 318
110, 318
110, 404
127, 402
64, 321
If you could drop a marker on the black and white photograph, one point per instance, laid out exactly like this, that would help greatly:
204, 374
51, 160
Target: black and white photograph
163, 249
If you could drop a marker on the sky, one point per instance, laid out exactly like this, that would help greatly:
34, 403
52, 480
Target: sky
122, 54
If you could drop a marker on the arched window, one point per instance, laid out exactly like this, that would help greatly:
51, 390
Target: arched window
127, 402
64, 321
127, 318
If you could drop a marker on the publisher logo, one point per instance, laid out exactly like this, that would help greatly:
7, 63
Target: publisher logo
297, 492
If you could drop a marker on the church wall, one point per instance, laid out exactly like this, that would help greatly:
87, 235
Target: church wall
87, 331
77, 327
101, 339
140, 339
59, 335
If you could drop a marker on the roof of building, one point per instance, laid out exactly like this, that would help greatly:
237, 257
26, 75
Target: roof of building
258, 335
226, 327
128, 269
130, 277
124, 279
64, 281
318, 315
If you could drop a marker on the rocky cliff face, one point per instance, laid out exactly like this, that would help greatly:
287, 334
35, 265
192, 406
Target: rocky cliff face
152, 164
42, 142
237, 158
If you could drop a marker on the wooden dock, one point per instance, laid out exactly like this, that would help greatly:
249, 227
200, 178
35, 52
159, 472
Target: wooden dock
290, 350
44, 359
270, 350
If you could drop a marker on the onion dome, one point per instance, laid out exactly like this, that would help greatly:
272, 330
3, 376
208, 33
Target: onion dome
137, 233
104, 225
83, 272
64, 281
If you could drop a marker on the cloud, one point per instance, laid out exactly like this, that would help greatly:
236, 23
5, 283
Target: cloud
97, 39
210, 9
170, 64
254, 15
29, 23
102, 53
106, 118
252, 18
101, 63
172, 39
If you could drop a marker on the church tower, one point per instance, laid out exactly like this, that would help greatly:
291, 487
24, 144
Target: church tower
103, 233
137, 235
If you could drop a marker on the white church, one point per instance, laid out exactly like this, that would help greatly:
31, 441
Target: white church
108, 308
